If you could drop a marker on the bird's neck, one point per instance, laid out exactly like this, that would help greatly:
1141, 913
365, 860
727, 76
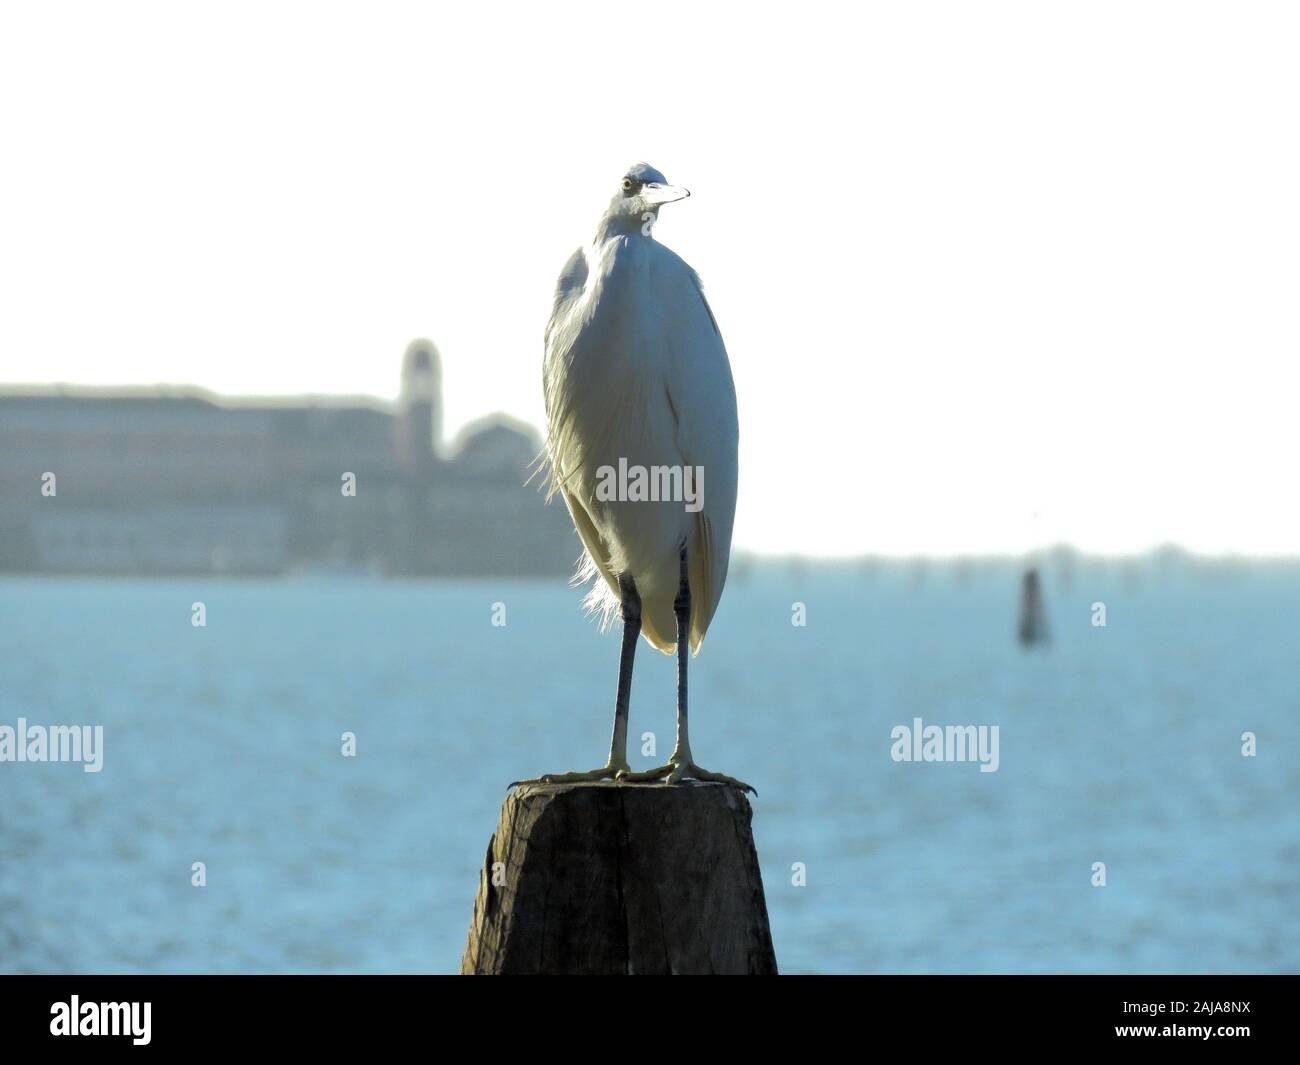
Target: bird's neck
622, 224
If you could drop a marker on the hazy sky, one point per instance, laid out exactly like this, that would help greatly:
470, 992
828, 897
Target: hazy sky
973, 262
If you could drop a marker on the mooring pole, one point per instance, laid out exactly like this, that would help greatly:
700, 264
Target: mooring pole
618, 878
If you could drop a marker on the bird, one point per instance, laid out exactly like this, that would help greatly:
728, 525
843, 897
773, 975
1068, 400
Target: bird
636, 378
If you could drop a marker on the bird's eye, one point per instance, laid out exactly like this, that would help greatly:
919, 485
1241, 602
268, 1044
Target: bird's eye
627, 184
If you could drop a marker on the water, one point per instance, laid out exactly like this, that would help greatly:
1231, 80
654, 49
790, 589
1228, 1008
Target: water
222, 745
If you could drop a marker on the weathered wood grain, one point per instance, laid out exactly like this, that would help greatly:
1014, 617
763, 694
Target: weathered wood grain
609, 878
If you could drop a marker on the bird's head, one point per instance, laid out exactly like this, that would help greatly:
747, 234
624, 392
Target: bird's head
642, 191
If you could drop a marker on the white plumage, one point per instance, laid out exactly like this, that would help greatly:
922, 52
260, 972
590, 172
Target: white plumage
636, 377
636, 369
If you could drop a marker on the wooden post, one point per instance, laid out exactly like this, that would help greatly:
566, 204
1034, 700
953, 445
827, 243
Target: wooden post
609, 878
1032, 629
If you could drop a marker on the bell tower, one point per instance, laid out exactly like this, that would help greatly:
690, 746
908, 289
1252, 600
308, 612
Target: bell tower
419, 415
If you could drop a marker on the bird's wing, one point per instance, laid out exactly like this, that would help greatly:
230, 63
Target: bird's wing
703, 399
558, 347
563, 453
568, 285
597, 552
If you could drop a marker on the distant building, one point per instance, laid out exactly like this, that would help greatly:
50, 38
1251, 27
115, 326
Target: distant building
155, 481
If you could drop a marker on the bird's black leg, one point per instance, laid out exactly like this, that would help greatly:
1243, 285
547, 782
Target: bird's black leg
631, 603
682, 612
617, 765
681, 766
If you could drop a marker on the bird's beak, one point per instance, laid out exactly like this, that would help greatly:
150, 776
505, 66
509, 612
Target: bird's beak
654, 193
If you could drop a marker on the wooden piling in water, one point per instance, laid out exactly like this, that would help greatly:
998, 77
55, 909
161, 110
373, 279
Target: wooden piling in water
614, 878
1032, 628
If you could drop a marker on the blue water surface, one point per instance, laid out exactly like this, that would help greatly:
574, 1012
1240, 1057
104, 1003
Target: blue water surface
1118, 744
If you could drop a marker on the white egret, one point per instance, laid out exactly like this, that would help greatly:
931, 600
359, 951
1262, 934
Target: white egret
636, 377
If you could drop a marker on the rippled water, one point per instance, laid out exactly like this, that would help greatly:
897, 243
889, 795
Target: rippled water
1118, 744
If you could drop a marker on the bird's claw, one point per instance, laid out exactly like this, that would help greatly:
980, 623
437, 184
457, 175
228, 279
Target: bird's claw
609, 772
677, 771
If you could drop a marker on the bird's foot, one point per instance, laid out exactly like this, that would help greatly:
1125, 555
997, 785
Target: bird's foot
613, 771
683, 769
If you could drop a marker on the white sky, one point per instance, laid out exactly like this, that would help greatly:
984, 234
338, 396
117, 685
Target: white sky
973, 262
